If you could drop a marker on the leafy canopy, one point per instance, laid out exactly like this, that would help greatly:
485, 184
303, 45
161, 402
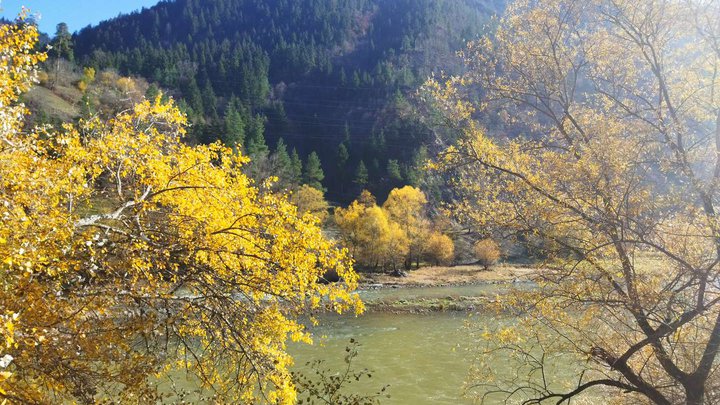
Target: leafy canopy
613, 166
129, 256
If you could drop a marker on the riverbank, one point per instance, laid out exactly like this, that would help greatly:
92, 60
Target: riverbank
422, 290
450, 276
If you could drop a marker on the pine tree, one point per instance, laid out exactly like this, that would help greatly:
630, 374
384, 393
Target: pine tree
255, 145
152, 92
296, 167
282, 165
361, 175
378, 143
346, 134
393, 170
194, 97
209, 101
414, 173
314, 175
234, 127
342, 156
62, 47
62, 44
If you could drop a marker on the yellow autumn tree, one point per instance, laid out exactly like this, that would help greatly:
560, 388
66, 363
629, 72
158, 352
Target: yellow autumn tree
131, 260
395, 247
487, 252
613, 164
17, 70
374, 240
126, 85
439, 249
406, 207
310, 200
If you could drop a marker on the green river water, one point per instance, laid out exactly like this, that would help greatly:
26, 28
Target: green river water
422, 357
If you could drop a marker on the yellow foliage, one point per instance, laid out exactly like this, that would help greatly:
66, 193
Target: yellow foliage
396, 245
89, 74
132, 256
367, 199
440, 249
373, 238
125, 85
310, 200
613, 169
406, 206
487, 252
108, 78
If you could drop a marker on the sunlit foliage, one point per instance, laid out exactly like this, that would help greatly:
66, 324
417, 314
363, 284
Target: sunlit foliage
406, 206
395, 235
487, 252
617, 172
374, 240
129, 257
439, 249
310, 200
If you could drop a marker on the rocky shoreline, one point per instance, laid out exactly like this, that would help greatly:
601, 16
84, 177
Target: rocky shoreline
430, 305
504, 278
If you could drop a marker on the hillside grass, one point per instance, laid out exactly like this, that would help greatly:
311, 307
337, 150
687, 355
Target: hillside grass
40, 98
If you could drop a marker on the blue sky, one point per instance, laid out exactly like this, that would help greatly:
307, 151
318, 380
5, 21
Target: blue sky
76, 13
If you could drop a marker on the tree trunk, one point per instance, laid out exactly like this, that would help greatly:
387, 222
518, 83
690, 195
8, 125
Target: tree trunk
695, 392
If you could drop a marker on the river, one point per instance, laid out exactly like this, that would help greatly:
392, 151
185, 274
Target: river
424, 358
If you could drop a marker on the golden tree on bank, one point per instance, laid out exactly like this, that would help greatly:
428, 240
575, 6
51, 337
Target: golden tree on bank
131, 260
618, 172
406, 206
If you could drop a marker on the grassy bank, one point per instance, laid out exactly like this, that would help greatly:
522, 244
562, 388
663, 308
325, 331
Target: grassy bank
456, 275
428, 279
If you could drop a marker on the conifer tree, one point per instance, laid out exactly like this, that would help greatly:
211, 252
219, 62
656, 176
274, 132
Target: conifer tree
314, 174
393, 170
209, 101
282, 165
62, 44
255, 144
282, 156
192, 94
152, 92
361, 175
62, 47
415, 171
342, 155
296, 167
234, 127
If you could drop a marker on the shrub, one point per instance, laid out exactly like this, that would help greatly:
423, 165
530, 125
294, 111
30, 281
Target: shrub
487, 252
440, 249
108, 78
82, 86
125, 85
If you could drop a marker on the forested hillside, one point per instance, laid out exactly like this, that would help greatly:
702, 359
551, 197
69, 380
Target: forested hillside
324, 75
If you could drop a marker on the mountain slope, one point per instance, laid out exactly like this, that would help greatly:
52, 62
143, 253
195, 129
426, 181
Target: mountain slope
319, 72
